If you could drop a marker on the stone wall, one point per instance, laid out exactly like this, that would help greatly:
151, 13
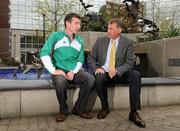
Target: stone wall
163, 56
91, 36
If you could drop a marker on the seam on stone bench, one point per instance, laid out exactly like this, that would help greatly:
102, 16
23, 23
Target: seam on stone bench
6, 85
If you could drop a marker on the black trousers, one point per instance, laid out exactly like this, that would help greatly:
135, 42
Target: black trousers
131, 77
82, 78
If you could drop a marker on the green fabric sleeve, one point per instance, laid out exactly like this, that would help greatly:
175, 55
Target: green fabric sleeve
49, 44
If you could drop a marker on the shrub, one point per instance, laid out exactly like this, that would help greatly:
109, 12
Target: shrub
172, 31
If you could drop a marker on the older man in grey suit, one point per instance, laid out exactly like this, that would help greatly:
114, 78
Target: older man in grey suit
112, 59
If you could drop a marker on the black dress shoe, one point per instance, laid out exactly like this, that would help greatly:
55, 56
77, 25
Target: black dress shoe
102, 114
84, 115
134, 117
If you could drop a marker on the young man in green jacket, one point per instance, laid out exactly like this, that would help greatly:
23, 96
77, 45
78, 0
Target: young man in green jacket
65, 65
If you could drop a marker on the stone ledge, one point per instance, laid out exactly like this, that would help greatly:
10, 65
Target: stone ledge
159, 81
47, 84
39, 98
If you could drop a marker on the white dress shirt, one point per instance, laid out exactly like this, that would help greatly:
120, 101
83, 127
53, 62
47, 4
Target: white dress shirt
106, 65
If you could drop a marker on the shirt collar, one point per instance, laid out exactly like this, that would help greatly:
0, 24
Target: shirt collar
116, 40
68, 35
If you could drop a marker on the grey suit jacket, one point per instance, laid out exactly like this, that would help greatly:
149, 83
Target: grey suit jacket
124, 54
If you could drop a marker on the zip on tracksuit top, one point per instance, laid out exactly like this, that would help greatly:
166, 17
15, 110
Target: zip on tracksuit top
67, 55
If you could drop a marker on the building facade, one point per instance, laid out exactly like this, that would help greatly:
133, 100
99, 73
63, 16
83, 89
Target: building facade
26, 32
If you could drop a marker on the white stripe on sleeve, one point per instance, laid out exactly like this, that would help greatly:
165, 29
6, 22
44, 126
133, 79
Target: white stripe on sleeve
48, 64
78, 67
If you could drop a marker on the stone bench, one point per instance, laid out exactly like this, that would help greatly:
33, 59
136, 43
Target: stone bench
20, 98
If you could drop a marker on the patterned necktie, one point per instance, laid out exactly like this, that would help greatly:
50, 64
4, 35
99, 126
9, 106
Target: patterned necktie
112, 55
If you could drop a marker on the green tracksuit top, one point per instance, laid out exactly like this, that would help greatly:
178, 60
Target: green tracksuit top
67, 55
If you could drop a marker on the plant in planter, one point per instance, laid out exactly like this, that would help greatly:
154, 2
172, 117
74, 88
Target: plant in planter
171, 31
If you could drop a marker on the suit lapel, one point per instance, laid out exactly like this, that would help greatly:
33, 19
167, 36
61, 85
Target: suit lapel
105, 48
120, 47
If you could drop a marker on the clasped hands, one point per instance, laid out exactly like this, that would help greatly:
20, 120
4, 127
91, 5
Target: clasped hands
68, 76
111, 72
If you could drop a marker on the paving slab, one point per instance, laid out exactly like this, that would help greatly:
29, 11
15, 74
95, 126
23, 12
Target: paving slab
163, 118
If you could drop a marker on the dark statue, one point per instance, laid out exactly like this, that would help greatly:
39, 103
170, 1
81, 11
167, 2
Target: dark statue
133, 11
92, 21
85, 6
130, 14
25, 68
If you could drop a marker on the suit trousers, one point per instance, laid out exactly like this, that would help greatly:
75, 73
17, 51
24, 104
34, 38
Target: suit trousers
131, 77
85, 81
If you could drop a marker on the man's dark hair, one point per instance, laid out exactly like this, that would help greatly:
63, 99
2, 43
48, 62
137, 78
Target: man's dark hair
69, 17
118, 22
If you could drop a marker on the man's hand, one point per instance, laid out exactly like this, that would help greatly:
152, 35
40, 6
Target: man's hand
70, 75
99, 70
60, 72
112, 72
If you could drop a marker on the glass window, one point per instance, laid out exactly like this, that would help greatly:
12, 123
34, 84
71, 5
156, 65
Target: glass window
41, 41
14, 13
14, 7
14, 25
29, 26
21, 26
14, 1
29, 2
22, 45
29, 45
22, 39
35, 39
22, 20
28, 39
22, 2
29, 20
14, 19
23, 57
22, 8
22, 14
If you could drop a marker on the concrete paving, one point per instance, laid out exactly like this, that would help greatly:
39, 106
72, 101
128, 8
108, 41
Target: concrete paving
165, 118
